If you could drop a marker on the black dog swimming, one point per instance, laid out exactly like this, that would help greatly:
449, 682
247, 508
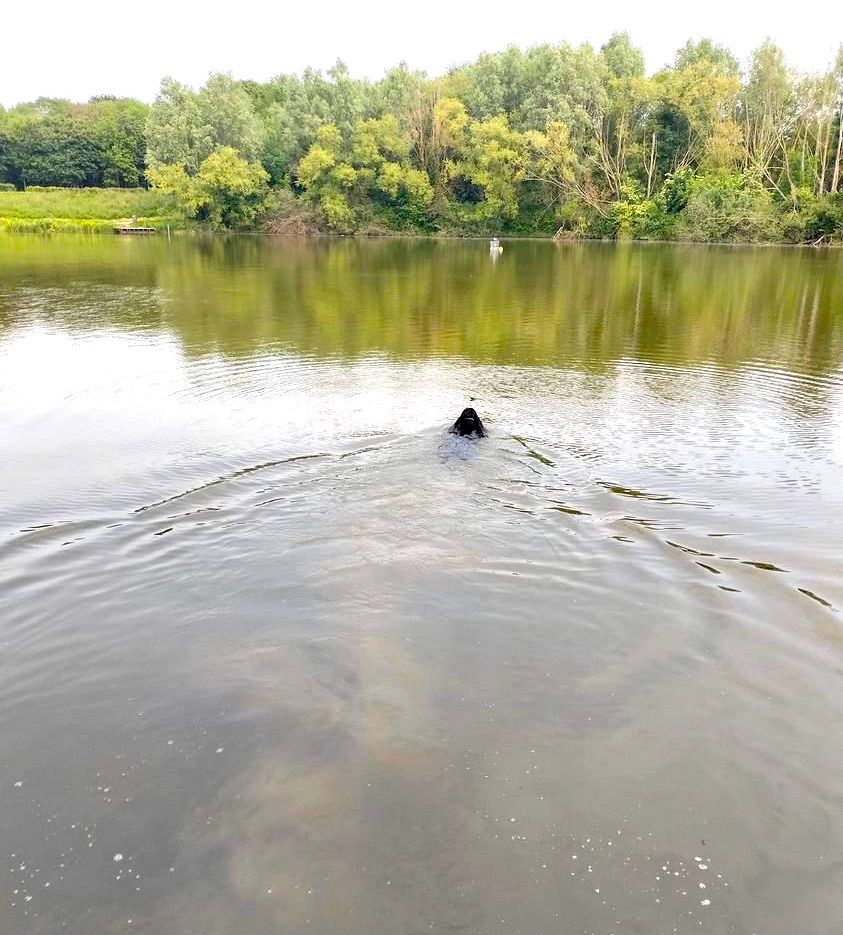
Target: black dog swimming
468, 424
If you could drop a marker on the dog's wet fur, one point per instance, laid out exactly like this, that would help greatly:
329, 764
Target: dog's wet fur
468, 423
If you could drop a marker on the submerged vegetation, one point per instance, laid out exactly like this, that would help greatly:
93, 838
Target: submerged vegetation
551, 140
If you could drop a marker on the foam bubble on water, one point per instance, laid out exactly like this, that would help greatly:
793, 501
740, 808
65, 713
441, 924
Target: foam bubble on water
18, 784
705, 902
117, 858
703, 866
220, 749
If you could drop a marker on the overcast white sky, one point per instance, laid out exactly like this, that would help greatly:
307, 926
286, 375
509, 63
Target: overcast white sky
60, 48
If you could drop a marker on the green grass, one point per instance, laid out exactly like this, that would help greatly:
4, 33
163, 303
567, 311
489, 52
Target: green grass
84, 209
82, 225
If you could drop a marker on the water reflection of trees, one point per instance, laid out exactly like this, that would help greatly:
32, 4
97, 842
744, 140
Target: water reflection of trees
540, 304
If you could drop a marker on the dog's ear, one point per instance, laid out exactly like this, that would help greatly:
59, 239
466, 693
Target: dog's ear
481, 429
455, 428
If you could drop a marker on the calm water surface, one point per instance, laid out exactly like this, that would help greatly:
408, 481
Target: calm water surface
280, 656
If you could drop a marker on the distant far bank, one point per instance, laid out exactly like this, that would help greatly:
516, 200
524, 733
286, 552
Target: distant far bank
562, 140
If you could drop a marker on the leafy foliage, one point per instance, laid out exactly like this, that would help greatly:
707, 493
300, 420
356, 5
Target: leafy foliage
227, 191
368, 175
729, 206
186, 126
54, 142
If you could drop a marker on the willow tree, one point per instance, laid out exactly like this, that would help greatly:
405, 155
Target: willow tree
706, 96
769, 114
838, 155
554, 164
225, 191
186, 126
493, 164
370, 175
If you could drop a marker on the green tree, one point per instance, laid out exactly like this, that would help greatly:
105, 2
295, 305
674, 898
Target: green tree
694, 53
554, 164
226, 191
56, 143
175, 131
50, 143
186, 126
494, 163
561, 83
119, 128
302, 106
729, 206
368, 177
702, 95
768, 107
400, 92
546, 83
493, 84
622, 58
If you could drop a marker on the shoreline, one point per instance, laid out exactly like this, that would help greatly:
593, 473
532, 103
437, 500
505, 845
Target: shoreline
178, 227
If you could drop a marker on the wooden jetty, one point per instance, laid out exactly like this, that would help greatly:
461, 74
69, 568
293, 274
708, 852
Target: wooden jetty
134, 230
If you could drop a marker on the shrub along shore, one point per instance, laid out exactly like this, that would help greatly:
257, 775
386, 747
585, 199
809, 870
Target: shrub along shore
554, 140
98, 211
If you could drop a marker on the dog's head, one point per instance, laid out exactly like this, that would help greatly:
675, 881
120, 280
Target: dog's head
469, 423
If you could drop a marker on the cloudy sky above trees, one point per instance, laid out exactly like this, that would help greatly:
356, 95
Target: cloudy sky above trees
75, 50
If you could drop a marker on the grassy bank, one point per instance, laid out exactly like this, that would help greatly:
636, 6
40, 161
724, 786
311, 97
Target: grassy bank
95, 210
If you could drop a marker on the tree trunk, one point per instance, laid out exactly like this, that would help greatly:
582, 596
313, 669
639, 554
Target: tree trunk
822, 156
651, 166
836, 176
802, 160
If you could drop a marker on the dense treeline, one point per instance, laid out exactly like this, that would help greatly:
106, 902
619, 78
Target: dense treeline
53, 142
554, 138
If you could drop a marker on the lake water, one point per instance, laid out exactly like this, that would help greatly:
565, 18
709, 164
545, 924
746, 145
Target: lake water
279, 655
